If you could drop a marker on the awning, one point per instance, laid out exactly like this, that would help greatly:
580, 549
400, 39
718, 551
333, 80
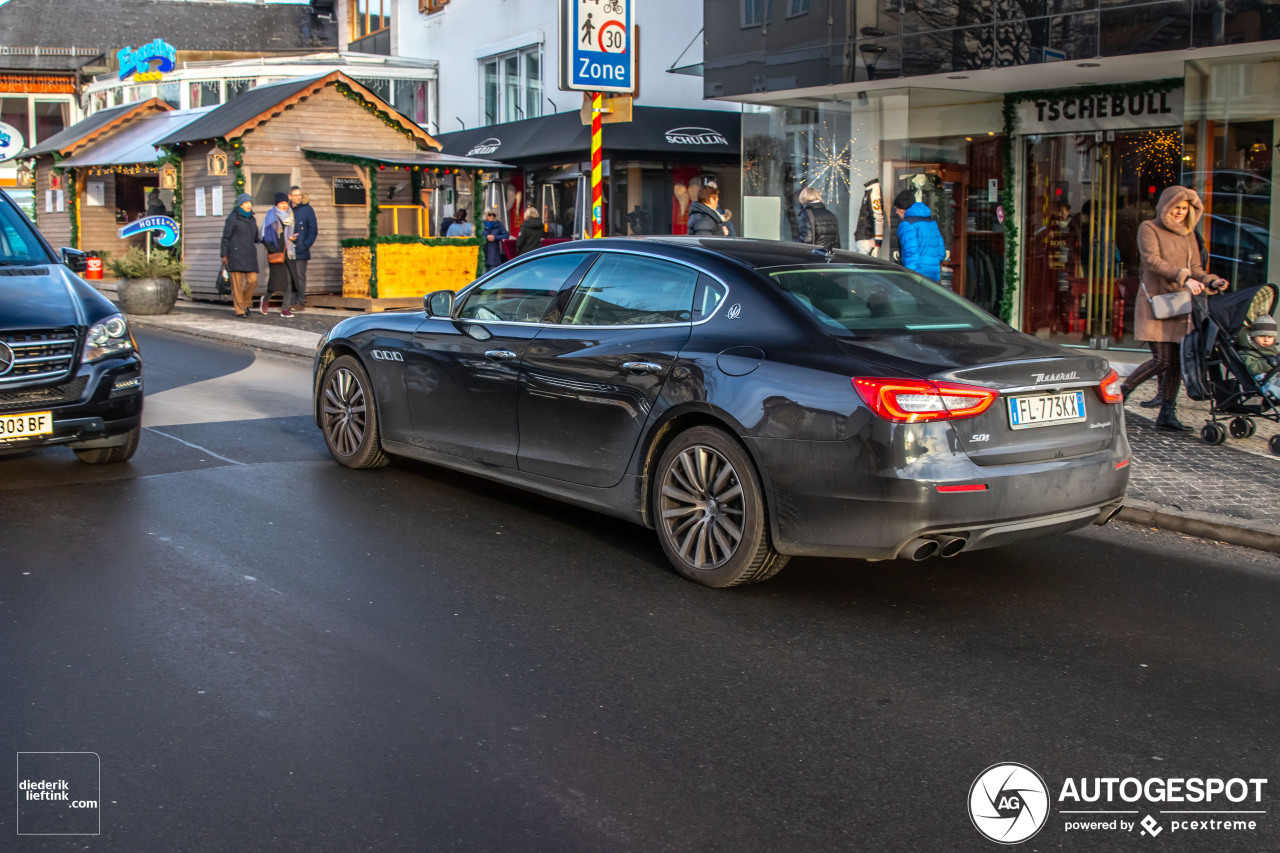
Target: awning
137, 142
422, 159
665, 132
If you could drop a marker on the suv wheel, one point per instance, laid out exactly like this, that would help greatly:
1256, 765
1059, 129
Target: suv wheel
119, 453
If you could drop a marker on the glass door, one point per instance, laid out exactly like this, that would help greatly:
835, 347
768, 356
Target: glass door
1086, 195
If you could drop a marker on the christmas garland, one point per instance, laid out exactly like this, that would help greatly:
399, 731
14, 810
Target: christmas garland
371, 108
373, 233
1007, 199
235, 151
354, 242
172, 158
70, 195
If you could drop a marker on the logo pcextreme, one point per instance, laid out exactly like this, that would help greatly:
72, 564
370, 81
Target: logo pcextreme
1008, 803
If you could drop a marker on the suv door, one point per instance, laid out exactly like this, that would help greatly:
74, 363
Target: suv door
589, 382
461, 371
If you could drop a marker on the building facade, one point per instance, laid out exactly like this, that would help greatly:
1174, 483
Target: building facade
1040, 134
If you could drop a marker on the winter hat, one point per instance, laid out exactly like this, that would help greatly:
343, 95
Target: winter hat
1264, 325
242, 198
281, 197
904, 200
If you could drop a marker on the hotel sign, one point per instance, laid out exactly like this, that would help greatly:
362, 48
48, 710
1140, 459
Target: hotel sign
147, 63
1069, 112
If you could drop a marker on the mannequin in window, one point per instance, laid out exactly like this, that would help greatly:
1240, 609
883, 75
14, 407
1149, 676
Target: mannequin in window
869, 235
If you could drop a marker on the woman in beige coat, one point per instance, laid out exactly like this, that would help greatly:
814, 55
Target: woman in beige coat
1170, 262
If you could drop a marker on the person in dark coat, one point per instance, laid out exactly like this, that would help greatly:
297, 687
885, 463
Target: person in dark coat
705, 219
279, 235
919, 238
304, 229
494, 233
531, 231
818, 225
239, 250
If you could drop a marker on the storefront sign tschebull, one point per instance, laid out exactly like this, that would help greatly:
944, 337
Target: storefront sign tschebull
1068, 112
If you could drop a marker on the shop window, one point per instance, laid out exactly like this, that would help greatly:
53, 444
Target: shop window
16, 113
239, 87
511, 86
205, 93
51, 117
265, 186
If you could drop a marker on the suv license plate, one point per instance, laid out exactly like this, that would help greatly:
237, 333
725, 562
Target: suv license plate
25, 425
1046, 410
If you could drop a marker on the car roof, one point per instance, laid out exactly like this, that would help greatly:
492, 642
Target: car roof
753, 253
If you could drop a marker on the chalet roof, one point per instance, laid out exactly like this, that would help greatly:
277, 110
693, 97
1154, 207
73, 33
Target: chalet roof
248, 110
191, 25
137, 142
101, 122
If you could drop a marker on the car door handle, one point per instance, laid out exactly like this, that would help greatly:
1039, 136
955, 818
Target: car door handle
500, 354
641, 367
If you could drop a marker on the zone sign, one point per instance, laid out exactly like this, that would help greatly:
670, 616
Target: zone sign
597, 46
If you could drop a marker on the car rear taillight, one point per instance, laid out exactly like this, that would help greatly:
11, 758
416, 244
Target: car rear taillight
912, 401
1109, 388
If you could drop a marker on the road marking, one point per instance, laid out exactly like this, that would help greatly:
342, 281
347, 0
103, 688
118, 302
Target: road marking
196, 446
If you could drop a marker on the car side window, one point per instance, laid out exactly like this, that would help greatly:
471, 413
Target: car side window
523, 293
628, 290
708, 297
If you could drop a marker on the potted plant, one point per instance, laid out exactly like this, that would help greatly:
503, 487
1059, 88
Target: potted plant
148, 282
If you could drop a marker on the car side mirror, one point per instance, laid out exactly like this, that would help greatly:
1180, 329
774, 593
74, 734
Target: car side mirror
438, 304
76, 260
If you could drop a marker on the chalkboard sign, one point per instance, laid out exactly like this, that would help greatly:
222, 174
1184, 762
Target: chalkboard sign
349, 191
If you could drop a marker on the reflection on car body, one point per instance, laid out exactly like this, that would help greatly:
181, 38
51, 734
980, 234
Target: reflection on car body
846, 408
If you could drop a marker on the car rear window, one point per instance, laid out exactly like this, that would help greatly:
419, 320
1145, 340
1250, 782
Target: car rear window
867, 300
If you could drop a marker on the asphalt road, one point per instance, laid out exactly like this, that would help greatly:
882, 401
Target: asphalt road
267, 651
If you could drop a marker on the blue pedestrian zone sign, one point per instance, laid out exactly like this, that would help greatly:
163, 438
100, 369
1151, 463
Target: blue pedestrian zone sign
167, 227
598, 46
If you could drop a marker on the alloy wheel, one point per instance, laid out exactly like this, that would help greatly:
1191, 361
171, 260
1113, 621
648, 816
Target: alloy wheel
344, 412
702, 507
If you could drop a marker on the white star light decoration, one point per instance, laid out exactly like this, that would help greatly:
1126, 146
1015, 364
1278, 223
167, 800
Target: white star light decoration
826, 169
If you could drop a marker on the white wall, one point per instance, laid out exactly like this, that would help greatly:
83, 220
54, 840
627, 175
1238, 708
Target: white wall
466, 29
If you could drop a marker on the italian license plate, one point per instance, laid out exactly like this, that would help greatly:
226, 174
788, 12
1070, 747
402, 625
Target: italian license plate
1046, 410
26, 425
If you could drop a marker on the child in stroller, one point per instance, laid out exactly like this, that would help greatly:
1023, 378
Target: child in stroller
1224, 364
1261, 356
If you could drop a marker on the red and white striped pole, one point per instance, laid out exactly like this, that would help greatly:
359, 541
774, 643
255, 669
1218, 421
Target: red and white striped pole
597, 186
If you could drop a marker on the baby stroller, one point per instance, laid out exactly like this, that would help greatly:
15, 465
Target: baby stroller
1212, 369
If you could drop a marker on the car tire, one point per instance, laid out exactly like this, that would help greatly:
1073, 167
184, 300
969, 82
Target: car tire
119, 453
709, 512
349, 415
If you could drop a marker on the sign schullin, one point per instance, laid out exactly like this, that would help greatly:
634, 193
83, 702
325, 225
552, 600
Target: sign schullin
598, 46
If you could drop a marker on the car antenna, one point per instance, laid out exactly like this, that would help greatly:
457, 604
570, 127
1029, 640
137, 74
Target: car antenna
828, 250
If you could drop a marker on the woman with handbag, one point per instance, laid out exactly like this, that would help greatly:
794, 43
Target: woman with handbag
1172, 272
279, 234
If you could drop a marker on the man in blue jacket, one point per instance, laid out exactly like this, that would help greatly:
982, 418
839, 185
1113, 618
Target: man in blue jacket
919, 238
305, 229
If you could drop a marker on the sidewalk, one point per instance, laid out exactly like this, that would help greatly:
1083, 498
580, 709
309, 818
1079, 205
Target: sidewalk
1230, 493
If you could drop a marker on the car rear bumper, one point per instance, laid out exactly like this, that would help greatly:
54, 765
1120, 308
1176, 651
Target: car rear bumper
863, 499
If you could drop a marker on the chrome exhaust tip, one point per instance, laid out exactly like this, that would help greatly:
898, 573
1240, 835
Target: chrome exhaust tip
1107, 514
949, 546
919, 549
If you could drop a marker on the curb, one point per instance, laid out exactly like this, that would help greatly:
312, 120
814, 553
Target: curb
1205, 525
282, 341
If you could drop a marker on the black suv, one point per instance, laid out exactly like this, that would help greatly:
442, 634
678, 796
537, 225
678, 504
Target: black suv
70, 372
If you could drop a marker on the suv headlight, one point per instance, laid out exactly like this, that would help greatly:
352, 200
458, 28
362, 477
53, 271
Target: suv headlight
106, 338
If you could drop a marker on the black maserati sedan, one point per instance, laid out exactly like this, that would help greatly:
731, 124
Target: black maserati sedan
749, 400
70, 372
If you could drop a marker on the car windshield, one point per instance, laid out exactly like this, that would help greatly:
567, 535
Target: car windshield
870, 300
18, 243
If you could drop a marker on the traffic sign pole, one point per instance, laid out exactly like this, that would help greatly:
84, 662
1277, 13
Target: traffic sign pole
597, 161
